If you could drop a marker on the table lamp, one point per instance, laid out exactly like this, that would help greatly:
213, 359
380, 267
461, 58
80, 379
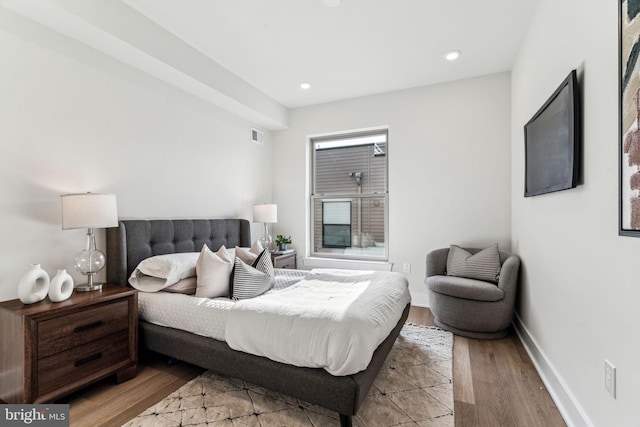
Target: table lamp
89, 210
267, 214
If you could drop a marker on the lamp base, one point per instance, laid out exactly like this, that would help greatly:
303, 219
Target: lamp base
87, 287
265, 239
265, 242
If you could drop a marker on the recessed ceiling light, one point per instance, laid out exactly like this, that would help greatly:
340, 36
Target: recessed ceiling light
453, 55
332, 3
305, 85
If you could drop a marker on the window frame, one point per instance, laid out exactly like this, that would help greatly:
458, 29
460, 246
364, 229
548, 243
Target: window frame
352, 197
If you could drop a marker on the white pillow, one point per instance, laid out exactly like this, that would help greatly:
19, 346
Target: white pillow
213, 272
249, 255
185, 286
158, 272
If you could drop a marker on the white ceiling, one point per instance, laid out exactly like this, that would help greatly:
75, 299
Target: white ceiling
358, 48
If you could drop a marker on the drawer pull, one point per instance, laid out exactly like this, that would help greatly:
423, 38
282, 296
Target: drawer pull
87, 359
89, 326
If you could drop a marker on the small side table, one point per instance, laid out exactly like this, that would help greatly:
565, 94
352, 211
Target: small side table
50, 349
284, 259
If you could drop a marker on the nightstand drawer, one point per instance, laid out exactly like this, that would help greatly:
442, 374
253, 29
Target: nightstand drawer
65, 332
284, 260
78, 363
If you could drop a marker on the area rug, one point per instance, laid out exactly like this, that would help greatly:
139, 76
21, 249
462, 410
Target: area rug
413, 388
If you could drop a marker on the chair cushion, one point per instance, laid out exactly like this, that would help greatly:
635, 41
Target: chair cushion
461, 287
484, 265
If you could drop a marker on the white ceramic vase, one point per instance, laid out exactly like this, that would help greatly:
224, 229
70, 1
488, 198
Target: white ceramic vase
34, 285
61, 286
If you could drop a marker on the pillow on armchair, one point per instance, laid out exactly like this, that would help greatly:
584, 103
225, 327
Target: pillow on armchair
483, 265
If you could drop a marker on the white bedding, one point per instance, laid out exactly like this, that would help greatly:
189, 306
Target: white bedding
201, 316
331, 319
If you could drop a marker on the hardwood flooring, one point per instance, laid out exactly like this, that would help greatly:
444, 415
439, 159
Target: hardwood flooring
494, 385
106, 403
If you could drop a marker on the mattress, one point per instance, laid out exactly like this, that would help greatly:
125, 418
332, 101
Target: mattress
201, 316
323, 318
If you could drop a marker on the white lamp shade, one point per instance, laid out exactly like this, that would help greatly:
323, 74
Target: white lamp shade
265, 213
89, 210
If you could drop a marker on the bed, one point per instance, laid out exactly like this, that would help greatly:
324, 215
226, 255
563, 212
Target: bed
135, 240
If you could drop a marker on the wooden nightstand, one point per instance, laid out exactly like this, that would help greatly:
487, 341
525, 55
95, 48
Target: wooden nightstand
287, 260
50, 349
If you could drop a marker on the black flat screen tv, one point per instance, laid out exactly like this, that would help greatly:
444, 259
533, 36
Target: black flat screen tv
552, 142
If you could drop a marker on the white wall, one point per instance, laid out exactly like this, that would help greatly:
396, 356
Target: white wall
76, 120
449, 175
580, 289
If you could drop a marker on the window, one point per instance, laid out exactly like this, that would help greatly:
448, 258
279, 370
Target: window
336, 224
349, 196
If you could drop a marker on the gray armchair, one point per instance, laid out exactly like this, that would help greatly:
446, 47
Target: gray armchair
469, 307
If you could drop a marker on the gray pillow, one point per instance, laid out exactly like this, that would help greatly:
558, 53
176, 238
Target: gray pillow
483, 265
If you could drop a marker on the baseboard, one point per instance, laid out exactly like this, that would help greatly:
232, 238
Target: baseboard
565, 401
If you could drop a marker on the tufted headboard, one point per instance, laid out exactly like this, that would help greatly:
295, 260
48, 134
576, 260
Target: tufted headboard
134, 240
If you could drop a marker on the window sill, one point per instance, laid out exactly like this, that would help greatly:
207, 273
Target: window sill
350, 264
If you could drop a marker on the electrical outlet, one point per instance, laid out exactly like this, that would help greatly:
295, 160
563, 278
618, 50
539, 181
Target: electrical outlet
406, 267
610, 378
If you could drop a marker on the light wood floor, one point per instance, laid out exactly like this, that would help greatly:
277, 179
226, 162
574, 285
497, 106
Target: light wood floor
494, 385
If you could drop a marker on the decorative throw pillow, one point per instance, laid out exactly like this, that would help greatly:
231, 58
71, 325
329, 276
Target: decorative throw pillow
249, 255
483, 265
263, 263
249, 282
213, 270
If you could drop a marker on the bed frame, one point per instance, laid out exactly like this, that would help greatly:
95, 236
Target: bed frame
134, 240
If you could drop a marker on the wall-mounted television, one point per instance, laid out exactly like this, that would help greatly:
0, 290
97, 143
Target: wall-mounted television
552, 142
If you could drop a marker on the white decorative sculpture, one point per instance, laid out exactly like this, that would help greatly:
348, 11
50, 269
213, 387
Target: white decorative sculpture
34, 285
61, 286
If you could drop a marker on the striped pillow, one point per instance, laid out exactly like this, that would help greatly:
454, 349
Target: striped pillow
249, 282
483, 265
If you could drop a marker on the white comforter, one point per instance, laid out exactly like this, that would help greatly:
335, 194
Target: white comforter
332, 319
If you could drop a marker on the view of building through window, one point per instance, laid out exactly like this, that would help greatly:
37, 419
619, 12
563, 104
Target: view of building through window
349, 196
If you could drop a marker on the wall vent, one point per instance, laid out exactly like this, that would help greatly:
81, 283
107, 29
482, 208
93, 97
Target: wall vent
257, 136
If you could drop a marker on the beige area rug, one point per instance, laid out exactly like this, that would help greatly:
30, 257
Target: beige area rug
413, 388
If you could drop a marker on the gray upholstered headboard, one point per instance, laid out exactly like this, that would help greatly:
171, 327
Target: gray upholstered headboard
134, 240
